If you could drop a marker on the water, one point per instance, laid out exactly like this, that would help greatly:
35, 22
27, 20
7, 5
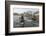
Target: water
26, 23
